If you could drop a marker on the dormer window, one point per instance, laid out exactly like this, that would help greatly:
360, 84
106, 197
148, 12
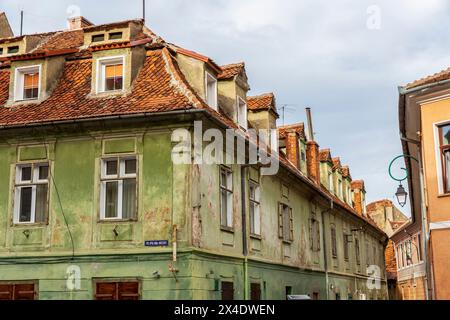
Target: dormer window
27, 83
1, 51
110, 73
115, 35
211, 91
98, 37
13, 49
242, 113
330, 181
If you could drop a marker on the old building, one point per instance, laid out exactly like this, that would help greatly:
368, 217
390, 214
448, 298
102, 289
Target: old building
424, 111
389, 219
93, 205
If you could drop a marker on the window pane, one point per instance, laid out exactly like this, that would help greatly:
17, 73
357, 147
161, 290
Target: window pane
445, 132
447, 168
25, 204
25, 174
129, 199
130, 166
223, 205
223, 178
111, 167
111, 199
252, 192
252, 218
41, 203
118, 83
43, 172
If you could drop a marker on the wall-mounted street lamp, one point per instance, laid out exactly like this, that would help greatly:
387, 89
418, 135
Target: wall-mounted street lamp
401, 193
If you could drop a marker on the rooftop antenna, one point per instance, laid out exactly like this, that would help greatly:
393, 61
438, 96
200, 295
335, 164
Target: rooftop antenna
21, 22
284, 108
143, 10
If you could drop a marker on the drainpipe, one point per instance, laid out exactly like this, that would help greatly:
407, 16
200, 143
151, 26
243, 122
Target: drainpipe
325, 261
425, 236
244, 232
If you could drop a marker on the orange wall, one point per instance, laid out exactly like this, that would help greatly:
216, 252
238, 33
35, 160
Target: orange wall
438, 204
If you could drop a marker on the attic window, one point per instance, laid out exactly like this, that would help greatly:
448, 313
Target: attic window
98, 37
115, 35
110, 73
211, 91
242, 113
27, 83
13, 49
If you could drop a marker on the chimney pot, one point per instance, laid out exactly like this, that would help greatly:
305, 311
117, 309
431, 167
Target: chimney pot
76, 23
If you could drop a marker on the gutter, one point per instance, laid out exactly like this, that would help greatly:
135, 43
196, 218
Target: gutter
325, 259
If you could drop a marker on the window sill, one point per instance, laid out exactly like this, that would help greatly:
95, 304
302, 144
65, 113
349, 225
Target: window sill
444, 195
227, 229
29, 225
255, 236
117, 221
288, 242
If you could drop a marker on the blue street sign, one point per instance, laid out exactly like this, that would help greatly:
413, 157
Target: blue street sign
156, 243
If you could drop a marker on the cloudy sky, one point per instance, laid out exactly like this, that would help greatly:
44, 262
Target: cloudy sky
342, 58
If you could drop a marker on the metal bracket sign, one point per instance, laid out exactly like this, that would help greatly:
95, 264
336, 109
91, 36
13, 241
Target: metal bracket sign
156, 243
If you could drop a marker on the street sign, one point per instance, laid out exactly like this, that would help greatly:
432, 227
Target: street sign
156, 243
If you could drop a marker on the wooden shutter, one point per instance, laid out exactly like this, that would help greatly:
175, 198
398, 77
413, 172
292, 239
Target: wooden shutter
24, 291
106, 291
291, 225
280, 220
227, 290
255, 291
6, 291
128, 291
311, 235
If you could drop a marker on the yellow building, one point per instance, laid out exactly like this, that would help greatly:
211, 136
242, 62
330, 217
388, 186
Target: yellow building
424, 113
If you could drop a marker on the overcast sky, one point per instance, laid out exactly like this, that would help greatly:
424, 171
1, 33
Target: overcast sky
342, 58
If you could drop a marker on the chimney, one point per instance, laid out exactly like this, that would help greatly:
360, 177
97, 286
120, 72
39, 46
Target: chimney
5, 28
312, 161
292, 149
75, 23
358, 197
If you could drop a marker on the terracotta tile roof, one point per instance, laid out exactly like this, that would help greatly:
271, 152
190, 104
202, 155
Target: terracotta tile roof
154, 90
63, 40
345, 171
325, 156
262, 102
380, 203
358, 184
231, 70
336, 164
440, 76
299, 128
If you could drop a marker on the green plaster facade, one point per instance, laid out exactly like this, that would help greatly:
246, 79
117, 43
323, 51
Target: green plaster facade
185, 196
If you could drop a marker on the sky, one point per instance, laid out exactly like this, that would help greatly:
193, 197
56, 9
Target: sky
343, 58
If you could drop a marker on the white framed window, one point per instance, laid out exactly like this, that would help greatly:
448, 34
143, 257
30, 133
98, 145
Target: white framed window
110, 74
349, 195
27, 84
226, 197
31, 193
341, 189
330, 181
211, 90
255, 212
241, 113
118, 188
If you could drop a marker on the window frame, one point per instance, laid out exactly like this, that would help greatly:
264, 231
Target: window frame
227, 225
119, 177
209, 76
241, 103
33, 183
346, 246
357, 251
102, 63
281, 225
19, 81
314, 234
333, 237
257, 203
442, 149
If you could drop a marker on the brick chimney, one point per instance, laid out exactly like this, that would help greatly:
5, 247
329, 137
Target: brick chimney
358, 197
312, 161
292, 150
75, 23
